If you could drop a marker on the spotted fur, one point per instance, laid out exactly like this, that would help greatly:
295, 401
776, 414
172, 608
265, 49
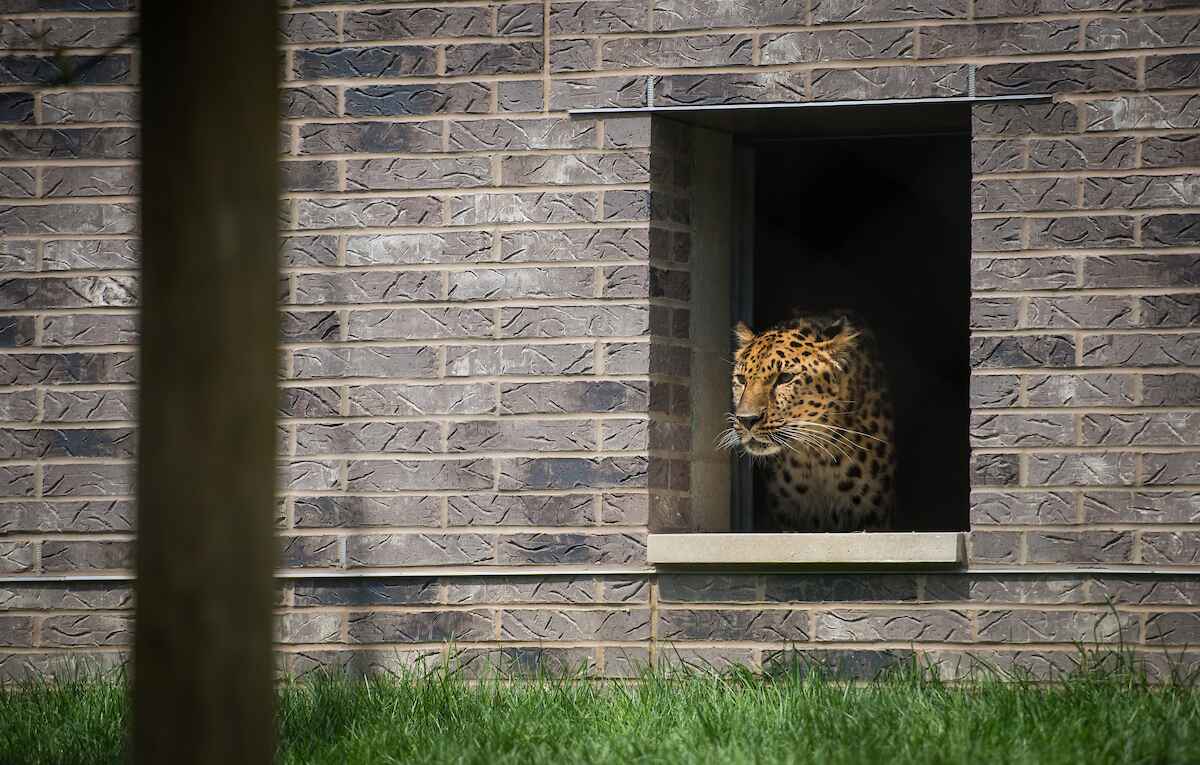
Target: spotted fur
811, 399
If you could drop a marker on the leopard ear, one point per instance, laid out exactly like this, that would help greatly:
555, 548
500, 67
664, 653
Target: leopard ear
743, 334
839, 334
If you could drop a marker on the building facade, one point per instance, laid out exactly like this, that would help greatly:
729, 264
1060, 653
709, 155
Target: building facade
488, 333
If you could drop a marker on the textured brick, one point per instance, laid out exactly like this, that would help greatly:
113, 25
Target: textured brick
356, 438
995, 313
298, 628
1038, 77
522, 283
17, 182
570, 397
836, 45
613, 168
677, 52
18, 255
351, 512
114, 443
381, 61
1178, 70
1161, 270
545, 624
1171, 230
420, 323
394, 100
302, 475
1169, 310
352, 137
420, 626
1022, 273
309, 551
1167, 469
994, 469
597, 92
522, 134
1173, 628
423, 248
68, 218
87, 479
533, 207
999, 39
910, 625
1025, 195
889, 82
409, 400
989, 391
1171, 547
1141, 350
365, 591
67, 405
855, 11
1158, 429
1141, 506
521, 435
1102, 469
112, 69
726, 624
27, 369
368, 287
1000, 430
1016, 351
401, 23
1171, 150
520, 96
512, 510
996, 234
75, 596
309, 27
592, 17
310, 101
1080, 547
1023, 118
1149, 111
1079, 312
375, 361
494, 58
1076, 232
310, 176
87, 630
16, 107
572, 473
82, 555
572, 55
484, 360
18, 405
537, 549
1028, 626
418, 549
373, 213
1003, 507
575, 321
390, 475
16, 557
1080, 390
1137, 191
1082, 153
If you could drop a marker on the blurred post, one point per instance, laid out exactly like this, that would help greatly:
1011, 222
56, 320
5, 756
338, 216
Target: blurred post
203, 668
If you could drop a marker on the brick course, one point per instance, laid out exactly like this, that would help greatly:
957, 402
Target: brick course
485, 351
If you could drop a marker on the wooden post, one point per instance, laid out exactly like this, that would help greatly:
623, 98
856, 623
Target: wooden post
203, 668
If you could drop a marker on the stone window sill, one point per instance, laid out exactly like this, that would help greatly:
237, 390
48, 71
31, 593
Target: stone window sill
941, 548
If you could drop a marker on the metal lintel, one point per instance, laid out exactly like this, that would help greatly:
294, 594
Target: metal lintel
635, 110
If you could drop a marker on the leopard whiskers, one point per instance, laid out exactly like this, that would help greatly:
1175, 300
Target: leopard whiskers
843, 430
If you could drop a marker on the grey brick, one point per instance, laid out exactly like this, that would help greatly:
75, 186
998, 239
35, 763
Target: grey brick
17, 182
379, 174
409, 400
855, 11
367, 287
1142, 506
310, 326
375, 361
1154, 429
1171, 230
16, 557
1024, 195
18, 405
16, 107
68, 219
625, 509
1168, 469
994, 469
1054, 272
774, 625
628, 206
1171, 150
839, 588
16, 255
1079, 312
309, 551
1000, 430
421, 626
309, 27
69, 292
78, 255
708, 588
575, 244
521, 435
17, 331
536, 549
1149, 111
521, 510
366, 591
310, 101
520, 624
572, 473
677, 52
1091, 231
577, 321
400, 249
520, 96
360, 437
835, 663
996, 234
1171, 548
494, 58
373, 137
1170, 310
112, 69
518, 589
519, 20
370, 213
592, 17
521, 283
87, 630
1177, 70
1023, 119
1091, 469
987, 8
712, 14
44, 443
401, 23
1082, 153
69, 143
889, 82
994, 390
572, 55
532, 207
26, 369
74, 596
67, 405
391, 475
1036, 77
597, 92
999, 39
1029, 626
1018, 351
1009, 507
1176, 628
297, 628
479, 135
380, 61
491, 360
1170, 390
420, 324
86, 32
1141, 350
418, 549
311, 401
309, 176
87, 479
1039, 589
910, 625
1142, 271
837, 45
310, 475
571, 397
997, 156
1136, 191
391, 100
995, 313
86, 555
1080, 547
357, 512
1145, 590
611, 168
363, 663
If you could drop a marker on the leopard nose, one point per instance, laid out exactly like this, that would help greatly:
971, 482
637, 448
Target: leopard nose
748, 421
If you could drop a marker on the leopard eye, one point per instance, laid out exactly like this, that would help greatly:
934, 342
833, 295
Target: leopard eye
784, 377
739, 379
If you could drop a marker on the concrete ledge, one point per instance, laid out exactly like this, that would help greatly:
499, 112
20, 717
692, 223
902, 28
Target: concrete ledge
942, 548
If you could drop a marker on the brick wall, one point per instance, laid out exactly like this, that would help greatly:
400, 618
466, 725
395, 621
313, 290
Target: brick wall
485, 329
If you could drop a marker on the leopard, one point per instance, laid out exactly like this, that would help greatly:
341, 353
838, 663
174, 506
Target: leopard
812, 406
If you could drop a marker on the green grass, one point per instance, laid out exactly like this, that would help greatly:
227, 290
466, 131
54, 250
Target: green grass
1093, 718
